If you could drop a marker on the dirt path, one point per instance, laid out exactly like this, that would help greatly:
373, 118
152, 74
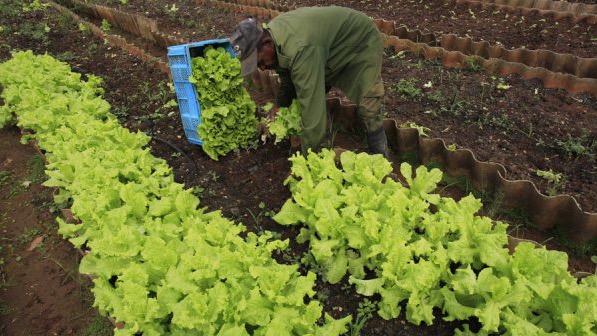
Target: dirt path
41, 290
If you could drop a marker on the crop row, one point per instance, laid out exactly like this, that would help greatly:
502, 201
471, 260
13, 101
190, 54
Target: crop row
414, 248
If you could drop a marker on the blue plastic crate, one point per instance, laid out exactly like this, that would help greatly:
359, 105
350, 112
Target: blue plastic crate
179, 59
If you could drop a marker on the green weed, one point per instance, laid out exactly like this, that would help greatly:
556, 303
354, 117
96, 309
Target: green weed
578, 146
408, 88
474, 63
454, 105
258, 218
586, 249
436, 96
66, 56
556, 181
411, 157
105, 26
4, 177
64, 20
37, 31
364, 313
10, 8
5, 309
36, 169
28, 235
99, 326
423, 131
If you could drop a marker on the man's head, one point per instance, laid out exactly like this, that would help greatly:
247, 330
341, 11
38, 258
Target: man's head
253, 46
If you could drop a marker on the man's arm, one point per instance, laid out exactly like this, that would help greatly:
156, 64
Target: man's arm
308, 76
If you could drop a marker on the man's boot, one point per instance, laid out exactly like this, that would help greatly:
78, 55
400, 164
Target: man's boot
378, 143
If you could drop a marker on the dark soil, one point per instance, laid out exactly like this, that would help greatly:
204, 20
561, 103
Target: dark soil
525, 127
41, 290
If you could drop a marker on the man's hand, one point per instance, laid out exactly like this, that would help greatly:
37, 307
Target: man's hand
271, 115
263, 130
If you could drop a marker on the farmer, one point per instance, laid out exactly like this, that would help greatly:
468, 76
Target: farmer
313, 49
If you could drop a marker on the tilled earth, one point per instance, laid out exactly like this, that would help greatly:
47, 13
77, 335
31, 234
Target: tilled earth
508, 120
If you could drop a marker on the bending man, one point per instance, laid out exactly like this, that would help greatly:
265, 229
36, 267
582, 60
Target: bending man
313, 49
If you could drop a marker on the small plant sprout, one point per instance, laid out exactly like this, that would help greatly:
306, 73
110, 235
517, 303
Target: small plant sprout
421, 129
451, 147
35, 5
83, 27
555, 181
407, 87
579, 146
263, 212
474, 63
106, 26
398, 55
364, 313
428, 85
501, 85
171, 9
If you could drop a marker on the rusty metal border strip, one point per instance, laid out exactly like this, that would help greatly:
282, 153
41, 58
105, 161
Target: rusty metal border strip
558, 9
495, 66
542, 6
115, 40
555, 62
135, 24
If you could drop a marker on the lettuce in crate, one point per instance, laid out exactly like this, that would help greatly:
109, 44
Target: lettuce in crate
228, 120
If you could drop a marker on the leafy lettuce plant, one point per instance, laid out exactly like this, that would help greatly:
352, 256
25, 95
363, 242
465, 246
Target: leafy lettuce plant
228, 118
288, 122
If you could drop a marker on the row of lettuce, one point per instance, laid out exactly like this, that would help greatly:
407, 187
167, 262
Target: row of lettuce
159, 263
163, 266
412, 247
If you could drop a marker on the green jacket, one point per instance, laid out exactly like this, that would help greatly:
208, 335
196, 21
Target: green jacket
320, 47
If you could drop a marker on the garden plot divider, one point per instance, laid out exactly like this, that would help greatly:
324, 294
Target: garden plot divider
545, 211
564, 71
115, 40
545, 7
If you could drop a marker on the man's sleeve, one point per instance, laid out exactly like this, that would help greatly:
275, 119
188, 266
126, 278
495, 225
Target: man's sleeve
286, 92
308, 76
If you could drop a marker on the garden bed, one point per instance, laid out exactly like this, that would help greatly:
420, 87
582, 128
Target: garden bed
521, 127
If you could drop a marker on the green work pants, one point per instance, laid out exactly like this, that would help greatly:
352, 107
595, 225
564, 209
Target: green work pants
370, 108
